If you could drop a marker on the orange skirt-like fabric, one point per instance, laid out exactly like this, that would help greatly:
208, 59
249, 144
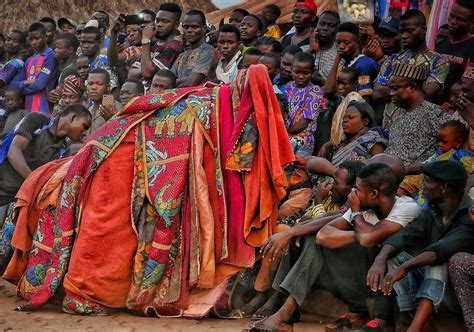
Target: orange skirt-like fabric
101, 262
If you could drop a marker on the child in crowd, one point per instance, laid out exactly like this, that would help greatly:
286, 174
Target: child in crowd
271, 13
454, 93
346, 82
305, 102
452, 136
250, 57
269, 44
263, 20
286, 65
250, 30
237, 16
37, 77
82, 65
164, 79
228, 42
348, 49
14, 112
272, 62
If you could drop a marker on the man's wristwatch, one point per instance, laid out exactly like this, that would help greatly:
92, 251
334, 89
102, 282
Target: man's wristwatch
353, 215
145, 41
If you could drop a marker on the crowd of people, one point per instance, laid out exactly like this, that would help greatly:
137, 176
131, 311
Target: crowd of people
375, 200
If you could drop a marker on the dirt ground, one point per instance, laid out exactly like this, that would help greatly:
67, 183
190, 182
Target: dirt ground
53, 319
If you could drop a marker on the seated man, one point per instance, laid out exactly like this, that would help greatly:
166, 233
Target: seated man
37, 140
329, 197
345, 239
414, 126
420, 277
461, 273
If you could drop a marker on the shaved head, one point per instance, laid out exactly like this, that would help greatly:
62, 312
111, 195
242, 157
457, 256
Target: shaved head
395, 163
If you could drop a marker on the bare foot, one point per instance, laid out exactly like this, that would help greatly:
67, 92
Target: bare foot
254, 304
270, 307
282, 318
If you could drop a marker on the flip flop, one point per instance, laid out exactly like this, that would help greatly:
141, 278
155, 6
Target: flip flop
342, 324
261, 327
247, 310
372, 326
267, 312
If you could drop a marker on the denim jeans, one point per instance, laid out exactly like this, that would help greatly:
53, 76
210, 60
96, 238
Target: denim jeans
427, 282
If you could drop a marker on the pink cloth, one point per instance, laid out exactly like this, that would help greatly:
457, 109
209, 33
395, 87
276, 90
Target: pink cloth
438, 17
240, 253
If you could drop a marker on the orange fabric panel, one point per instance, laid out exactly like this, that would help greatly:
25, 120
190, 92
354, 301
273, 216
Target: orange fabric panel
265, 184
27, 214
101, 264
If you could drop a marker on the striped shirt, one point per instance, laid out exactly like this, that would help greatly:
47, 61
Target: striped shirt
41, 68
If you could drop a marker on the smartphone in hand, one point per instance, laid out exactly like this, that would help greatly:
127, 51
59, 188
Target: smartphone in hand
108, 101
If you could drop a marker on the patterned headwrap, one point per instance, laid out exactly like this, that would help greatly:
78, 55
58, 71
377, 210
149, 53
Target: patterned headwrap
310, 4
74, 84
469, 73
409, 71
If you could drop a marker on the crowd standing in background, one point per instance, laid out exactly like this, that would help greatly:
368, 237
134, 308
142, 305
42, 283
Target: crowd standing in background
378, 202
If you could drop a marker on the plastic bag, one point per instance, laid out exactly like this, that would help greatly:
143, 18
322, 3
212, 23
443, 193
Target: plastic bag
356, 11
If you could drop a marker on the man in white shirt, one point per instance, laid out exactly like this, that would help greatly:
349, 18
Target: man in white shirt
345, 251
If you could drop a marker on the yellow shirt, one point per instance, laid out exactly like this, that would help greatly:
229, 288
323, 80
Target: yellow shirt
273, 31
316, 210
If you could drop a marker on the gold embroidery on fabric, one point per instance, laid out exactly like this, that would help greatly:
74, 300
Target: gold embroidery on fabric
42, 246
160, 246
169, 160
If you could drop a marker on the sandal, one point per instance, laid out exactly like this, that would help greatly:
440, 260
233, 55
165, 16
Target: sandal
261, 327
341, 324
262, 313
372, 326
348, 321
247, 310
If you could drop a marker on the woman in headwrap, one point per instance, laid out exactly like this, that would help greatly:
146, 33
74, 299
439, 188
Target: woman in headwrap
360, 140
72, 93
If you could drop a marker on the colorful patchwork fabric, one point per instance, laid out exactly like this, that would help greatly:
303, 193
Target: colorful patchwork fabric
156, 134
55, 233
